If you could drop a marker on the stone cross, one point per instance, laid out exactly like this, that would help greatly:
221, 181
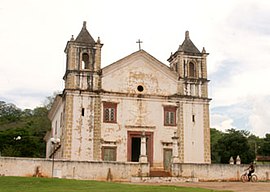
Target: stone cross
139, 41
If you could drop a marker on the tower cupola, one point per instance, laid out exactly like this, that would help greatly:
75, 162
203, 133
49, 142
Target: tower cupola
190, 64
83, 62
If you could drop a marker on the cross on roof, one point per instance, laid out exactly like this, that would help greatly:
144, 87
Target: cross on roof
139, 41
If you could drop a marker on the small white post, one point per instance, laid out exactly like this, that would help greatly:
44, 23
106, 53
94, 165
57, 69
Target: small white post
231, 161
238, 160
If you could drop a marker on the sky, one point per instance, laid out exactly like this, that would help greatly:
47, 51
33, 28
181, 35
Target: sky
236, 33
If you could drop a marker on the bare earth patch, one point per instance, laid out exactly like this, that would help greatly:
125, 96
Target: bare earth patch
231, 186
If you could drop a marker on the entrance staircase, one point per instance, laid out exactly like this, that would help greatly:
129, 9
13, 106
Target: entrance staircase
160, 173
157, 175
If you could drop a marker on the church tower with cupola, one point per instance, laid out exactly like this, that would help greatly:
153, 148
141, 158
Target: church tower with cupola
83, 62
191, 67
190, 64
81, 99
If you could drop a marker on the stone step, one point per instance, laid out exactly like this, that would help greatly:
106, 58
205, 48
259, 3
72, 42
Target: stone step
159, 173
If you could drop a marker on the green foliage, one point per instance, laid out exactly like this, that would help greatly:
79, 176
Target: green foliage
216, 135
26, 184
9, 112
235, 143
263, 147
22, 131
232, 143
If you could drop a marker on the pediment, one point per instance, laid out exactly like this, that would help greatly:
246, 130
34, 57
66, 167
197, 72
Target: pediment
141, 73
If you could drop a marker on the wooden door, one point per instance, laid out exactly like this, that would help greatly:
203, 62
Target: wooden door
167, 158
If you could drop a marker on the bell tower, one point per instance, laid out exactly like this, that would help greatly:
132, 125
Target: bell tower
83, 62
190, 64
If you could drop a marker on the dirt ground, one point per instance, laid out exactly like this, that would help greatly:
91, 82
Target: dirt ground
231, 186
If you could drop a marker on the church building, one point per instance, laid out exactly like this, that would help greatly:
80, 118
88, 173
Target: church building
136, 109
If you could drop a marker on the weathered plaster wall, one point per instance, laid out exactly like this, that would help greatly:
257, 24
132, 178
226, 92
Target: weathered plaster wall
92, 170
138, 114
120, 171
82, 132
139, 71
193, 133
222, 172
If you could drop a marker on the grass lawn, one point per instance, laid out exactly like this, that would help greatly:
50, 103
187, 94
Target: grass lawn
29, 184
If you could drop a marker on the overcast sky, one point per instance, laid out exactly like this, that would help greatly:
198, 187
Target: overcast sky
236, 33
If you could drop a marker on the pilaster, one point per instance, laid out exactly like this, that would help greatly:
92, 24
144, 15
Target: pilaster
97, 129
207, 149
204, 66
68, 127
180, 132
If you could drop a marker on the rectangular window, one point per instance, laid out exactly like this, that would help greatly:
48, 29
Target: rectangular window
193, 118
109, 112
109, 153
82, 111
170, 116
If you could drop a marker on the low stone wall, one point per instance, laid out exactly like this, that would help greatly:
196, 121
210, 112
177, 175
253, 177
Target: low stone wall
88, 170
122, 171
218, 172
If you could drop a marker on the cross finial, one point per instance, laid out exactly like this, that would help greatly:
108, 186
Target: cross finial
139, 41
84, 24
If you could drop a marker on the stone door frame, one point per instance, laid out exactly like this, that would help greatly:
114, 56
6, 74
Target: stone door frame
150, 142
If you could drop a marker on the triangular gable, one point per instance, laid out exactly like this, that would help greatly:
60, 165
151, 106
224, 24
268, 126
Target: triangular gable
143, 54
141, 73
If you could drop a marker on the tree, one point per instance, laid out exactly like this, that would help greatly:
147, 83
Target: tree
22, 131
235, 143
216, 135
264, 146
9, 113
50, 99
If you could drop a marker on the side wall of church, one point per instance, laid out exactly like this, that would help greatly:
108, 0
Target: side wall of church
193, 132
82, 127
57, 129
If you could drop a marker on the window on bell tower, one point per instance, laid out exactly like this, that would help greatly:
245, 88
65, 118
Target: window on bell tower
191, 70
85, 61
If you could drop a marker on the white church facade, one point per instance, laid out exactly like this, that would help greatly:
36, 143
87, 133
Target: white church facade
136, 109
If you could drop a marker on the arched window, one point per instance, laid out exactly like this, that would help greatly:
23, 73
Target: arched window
191, 70
85, 61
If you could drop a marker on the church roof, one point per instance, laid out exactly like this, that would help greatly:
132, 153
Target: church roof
84, 36
143, 54
188, 46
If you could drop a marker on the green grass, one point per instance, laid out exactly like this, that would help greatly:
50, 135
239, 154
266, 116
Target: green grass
22, 184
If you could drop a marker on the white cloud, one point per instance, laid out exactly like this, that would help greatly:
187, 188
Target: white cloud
259, 119
221, 122
251, 114
33, 35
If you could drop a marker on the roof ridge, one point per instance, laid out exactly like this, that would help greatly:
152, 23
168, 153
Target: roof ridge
84, 36
188, 46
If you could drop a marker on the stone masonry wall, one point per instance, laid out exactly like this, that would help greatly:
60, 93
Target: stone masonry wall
97, 129
89, 170
120, 171
206, 126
